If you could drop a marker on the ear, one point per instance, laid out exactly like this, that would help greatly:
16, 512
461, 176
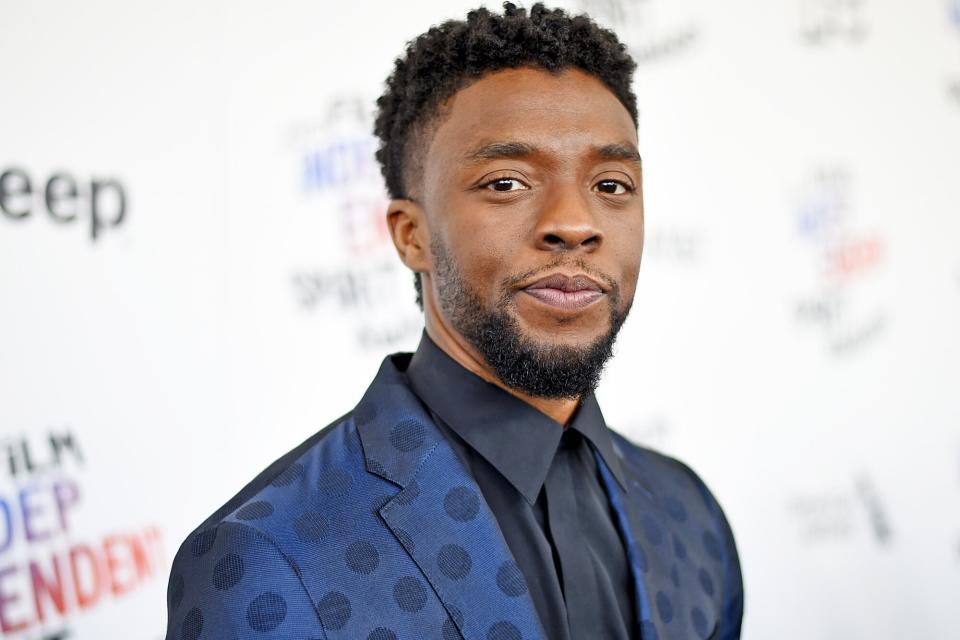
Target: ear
411, 235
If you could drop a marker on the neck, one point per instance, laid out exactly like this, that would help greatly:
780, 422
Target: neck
455, 346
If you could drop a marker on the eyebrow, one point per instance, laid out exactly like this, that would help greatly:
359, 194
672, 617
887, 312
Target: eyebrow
500, 150
620, 151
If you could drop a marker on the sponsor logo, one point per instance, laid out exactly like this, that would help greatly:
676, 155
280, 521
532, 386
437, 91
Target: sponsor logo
953, 85
840, 303
100, 204
673, 244
341, 194
824, 22
842, 514
50, 571
642, 26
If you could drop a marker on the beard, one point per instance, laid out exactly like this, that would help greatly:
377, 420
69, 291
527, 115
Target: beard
532, 367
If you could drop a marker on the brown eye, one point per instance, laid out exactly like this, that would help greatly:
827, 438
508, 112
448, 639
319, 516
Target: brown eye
613, 187
505, 184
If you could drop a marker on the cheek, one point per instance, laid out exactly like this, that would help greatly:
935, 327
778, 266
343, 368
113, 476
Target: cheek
485, 246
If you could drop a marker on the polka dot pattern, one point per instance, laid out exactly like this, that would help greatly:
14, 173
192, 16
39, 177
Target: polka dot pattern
433, 548
449, 630
407, 435
382, 633
362, 557
664, 607
454, 561
699, 620
461, 504
255, 510
227, 572
335, 483
289, 475
712, 545
679, 549
311, 527
203, 542
335, 610
266, 611
510, 579
192, 625
705, 581
410, 594
674, 508
504, 630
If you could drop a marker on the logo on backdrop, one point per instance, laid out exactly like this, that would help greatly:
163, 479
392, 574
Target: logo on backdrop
825, 22
642, 26
841, 304
953, 86
343, 196
50, 571
675, 245
96, 205
842, 514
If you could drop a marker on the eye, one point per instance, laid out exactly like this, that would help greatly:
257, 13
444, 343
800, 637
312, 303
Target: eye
504, 185
614, 187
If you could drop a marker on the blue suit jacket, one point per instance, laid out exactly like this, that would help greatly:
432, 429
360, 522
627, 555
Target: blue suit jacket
374, 530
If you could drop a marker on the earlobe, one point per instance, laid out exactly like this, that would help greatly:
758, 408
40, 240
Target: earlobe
408, 230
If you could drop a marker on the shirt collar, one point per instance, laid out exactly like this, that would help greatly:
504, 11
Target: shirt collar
513, 436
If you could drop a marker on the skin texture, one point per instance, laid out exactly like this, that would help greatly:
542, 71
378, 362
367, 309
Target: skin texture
508, 221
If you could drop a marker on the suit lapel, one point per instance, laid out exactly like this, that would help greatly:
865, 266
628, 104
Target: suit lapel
440, 516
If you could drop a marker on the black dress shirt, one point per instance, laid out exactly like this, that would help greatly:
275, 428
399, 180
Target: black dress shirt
543, 486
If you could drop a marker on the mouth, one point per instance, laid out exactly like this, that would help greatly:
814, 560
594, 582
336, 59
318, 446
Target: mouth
569, 293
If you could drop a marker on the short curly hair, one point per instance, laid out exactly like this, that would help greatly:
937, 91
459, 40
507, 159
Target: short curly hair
447, 58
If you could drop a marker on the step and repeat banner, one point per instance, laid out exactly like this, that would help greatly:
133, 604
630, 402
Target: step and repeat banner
195, 276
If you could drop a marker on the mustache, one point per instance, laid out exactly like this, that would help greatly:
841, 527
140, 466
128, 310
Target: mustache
514, 281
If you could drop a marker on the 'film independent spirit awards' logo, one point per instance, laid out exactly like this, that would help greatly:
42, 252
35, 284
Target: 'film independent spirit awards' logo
340, 181
51, 572
953, 86
842, 303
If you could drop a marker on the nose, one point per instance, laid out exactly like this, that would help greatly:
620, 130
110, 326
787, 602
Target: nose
566, 223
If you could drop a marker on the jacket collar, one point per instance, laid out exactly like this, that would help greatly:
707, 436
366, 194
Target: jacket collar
514, 437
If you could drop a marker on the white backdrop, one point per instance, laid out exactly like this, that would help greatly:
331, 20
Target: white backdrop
194, 277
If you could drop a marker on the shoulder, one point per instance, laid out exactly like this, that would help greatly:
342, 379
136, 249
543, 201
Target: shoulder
660, 473
236, 570
690, 506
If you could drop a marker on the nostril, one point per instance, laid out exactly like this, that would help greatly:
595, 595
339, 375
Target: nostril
553, 239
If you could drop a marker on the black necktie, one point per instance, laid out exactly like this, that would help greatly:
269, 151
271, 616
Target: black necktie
575, 569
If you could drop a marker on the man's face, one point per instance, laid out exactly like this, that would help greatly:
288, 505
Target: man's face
531, 175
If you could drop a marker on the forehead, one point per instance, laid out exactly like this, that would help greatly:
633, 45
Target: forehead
563, 112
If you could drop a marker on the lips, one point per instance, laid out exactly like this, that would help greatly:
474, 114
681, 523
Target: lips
565, 292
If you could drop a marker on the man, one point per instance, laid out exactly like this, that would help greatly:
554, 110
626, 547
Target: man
475, 491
